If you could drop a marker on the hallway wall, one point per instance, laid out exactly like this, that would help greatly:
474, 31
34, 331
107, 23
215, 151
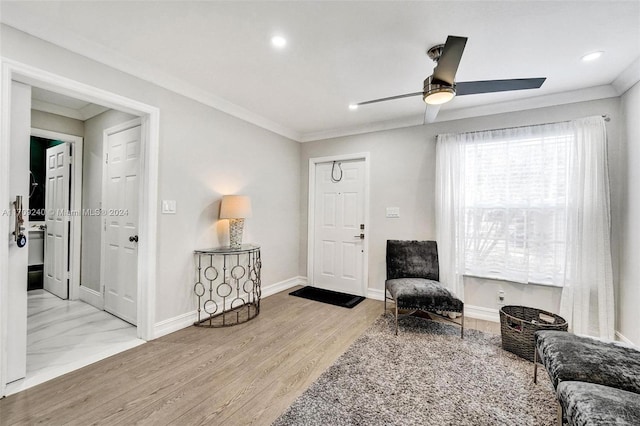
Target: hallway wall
56, 123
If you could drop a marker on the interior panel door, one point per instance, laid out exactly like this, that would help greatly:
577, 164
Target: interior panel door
56, 245
120, 209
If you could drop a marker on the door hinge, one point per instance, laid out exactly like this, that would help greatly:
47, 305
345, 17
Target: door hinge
106, 158
104, 224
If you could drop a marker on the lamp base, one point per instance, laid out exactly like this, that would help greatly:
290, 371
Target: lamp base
235, 232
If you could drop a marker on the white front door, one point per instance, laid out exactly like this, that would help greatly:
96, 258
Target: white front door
339, 222
56, 245
120, 236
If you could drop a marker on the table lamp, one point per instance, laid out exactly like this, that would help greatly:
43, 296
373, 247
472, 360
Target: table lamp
236, 208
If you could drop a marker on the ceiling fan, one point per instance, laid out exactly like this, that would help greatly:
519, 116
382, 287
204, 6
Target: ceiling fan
441, 87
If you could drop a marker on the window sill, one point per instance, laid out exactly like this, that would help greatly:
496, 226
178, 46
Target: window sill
511, 282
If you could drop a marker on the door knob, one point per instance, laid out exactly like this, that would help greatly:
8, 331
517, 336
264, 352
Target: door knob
361, 236
133, 238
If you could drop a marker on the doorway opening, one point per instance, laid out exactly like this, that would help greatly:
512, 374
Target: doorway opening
55, 170
12, 338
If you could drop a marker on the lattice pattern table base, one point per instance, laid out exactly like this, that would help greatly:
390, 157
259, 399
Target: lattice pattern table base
232, 317
228, 285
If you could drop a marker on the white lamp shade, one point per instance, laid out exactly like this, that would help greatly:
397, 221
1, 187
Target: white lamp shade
235, 207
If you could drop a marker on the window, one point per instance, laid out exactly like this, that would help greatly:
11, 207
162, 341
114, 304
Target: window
515, 208
530, 205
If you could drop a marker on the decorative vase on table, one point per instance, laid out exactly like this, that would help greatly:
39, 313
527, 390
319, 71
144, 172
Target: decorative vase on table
236, 208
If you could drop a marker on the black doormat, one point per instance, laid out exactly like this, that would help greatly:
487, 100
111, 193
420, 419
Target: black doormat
327, 296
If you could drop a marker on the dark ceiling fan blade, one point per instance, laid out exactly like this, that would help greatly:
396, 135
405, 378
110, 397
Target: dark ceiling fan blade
490, 86
390, 98
449, 60
430, 113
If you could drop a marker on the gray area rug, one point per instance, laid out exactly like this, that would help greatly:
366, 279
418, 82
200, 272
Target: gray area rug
425, 376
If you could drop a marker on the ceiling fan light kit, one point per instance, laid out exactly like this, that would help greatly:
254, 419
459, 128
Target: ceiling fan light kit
437, 93
441, 87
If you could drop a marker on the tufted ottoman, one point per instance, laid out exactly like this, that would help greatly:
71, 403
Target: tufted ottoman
589, 404
595, 380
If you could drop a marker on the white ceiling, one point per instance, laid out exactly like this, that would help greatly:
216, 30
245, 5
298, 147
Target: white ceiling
344, 52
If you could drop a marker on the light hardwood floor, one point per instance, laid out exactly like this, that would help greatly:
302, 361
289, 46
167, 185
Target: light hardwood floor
247, 374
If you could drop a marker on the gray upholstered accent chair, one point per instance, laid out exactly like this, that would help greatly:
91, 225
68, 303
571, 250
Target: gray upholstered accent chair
413, 281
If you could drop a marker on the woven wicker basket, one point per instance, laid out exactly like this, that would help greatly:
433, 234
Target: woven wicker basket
519, 323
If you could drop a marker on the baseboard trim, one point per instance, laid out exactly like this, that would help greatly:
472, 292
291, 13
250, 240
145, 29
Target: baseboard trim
92, 297
176, 323
187, 319
272, 289
480, 312
375, 294
624, 339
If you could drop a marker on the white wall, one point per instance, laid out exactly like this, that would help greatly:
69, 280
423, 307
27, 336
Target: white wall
629, 294
56, 123
204, 154
92, 164
403, 175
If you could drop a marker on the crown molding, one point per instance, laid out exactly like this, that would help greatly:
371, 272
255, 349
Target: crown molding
554, 99
543, 101
627, 78
114, 59
368, 128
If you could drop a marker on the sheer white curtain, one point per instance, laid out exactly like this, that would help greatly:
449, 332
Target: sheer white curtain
587, 296
450, 195
530, 205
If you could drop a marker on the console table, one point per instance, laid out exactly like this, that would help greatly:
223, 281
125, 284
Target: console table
227, 285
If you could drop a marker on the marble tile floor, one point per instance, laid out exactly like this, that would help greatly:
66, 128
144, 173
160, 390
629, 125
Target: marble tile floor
64, 335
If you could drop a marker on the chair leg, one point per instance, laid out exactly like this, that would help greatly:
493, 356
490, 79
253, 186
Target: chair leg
462, 326
396, 317
560, 415
385, 299
535, 364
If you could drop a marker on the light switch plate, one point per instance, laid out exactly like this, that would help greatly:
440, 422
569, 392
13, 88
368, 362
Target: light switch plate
168, 206
393, 212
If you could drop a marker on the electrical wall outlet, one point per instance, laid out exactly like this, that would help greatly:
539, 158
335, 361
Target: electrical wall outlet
501, 298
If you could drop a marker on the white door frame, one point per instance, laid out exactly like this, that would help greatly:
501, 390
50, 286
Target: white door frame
76, 203
311, 213
150, 116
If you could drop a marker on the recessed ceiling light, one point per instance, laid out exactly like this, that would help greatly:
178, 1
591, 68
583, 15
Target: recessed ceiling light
592, 56
278, 41
353, 107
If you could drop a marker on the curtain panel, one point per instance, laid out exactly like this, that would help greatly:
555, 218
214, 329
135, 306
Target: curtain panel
530, 205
